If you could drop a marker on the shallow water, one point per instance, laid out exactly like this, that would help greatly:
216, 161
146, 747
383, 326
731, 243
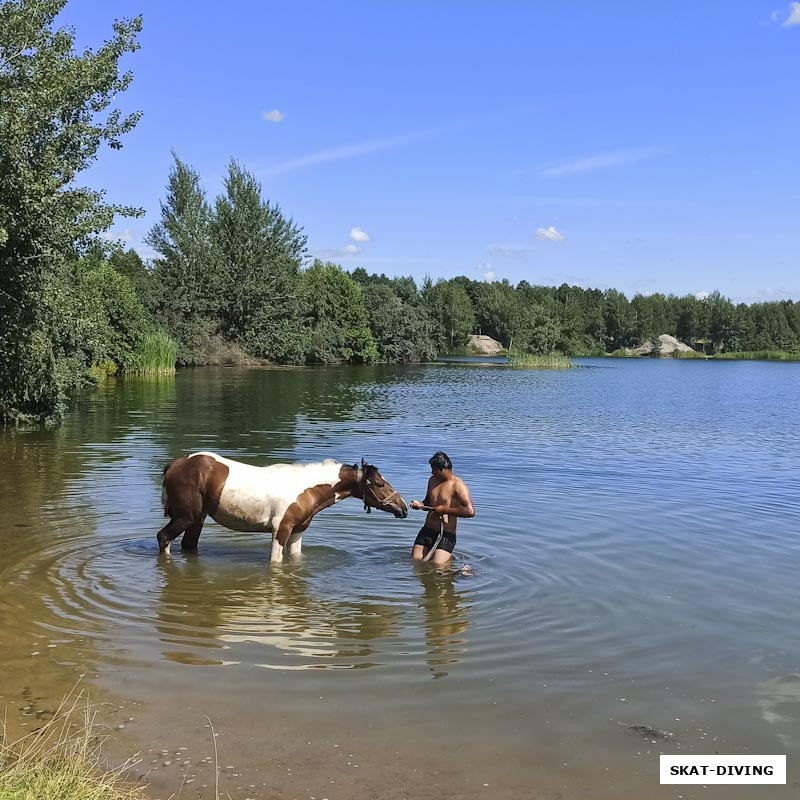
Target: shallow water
635, 553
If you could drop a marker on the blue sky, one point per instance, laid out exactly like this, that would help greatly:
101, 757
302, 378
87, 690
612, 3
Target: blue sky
641, 146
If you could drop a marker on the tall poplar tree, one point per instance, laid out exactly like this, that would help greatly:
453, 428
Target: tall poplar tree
186, 283
258, 253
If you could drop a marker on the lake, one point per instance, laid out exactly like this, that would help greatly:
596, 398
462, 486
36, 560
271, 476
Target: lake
636, 560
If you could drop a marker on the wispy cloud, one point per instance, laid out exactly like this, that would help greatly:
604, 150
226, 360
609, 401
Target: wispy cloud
794, 15
614, 158
501, 251
549, 234
701, 295
359, 235
351, 249
273, 116
347, 151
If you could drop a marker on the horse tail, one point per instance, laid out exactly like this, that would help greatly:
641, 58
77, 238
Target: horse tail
164, 498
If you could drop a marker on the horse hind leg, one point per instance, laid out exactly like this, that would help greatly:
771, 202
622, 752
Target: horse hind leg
191, 535
174, 528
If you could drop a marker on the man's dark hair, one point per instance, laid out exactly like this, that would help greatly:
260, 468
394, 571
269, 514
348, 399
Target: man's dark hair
440, 460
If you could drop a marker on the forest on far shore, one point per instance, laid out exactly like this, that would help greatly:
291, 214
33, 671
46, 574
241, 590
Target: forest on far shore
232, 280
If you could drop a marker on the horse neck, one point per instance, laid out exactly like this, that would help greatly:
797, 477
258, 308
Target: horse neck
349, 485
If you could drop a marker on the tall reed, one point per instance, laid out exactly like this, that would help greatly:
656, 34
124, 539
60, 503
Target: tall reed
157, 355
541, 361
760, 355
686, 354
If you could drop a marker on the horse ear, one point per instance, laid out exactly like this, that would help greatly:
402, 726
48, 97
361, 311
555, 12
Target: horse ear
364, 464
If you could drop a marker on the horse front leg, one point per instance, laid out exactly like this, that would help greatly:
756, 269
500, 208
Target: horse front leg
295, 546
276, 556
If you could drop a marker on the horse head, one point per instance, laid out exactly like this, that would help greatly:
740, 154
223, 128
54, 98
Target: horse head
378, 493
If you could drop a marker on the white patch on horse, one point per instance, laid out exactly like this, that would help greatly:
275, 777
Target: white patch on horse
256, 498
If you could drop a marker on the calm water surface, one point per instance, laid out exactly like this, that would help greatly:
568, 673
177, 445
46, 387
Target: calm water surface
636, 557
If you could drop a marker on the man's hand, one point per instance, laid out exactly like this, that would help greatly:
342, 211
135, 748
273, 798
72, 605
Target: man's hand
416, 504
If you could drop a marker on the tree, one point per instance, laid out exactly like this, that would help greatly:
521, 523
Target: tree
450, 308
54, 117
185, 292
401, 330
257, 252
337, 316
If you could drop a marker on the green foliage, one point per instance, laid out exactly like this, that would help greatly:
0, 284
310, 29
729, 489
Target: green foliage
183, 285
54, 116
257, 253
94, 318
398, 320
337, 317
129, 263
452, 313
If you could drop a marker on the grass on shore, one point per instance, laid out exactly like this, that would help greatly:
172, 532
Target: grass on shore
759, 355
541, 361
687, 354
62, 760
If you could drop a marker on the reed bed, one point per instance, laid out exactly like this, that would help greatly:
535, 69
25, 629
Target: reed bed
62, 760
759, 355
687, 354
540, 361
157, 355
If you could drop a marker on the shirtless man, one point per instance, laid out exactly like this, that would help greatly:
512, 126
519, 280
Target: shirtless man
447, 499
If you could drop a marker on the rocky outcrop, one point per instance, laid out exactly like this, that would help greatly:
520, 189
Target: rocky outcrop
667, 345
484, 345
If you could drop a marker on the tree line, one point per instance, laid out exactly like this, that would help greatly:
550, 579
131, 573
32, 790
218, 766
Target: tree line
232, 279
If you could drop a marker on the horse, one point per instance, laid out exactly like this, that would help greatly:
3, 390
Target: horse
281, 499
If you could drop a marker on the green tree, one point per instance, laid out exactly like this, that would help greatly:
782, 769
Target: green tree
450, 309
401, 330
337, 316
620, 321
257, 252
54, 117
184, 293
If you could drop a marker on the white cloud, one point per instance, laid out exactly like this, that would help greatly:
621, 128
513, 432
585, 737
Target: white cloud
351, 249
485, 268
794, 15
272, 116
550, 234
358, 235
615, 158
701, 295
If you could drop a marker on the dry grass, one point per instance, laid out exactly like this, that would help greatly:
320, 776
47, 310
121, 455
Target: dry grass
62, 760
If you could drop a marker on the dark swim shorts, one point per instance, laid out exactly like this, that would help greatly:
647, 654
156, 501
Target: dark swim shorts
427, 538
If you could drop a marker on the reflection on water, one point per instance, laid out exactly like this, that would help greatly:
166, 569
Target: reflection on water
446, 618
205, 604
636, 533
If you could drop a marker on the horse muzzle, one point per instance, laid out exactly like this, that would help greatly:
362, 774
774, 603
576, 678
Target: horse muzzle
400, 511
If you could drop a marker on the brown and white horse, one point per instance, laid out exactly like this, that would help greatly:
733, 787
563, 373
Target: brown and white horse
281, 499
